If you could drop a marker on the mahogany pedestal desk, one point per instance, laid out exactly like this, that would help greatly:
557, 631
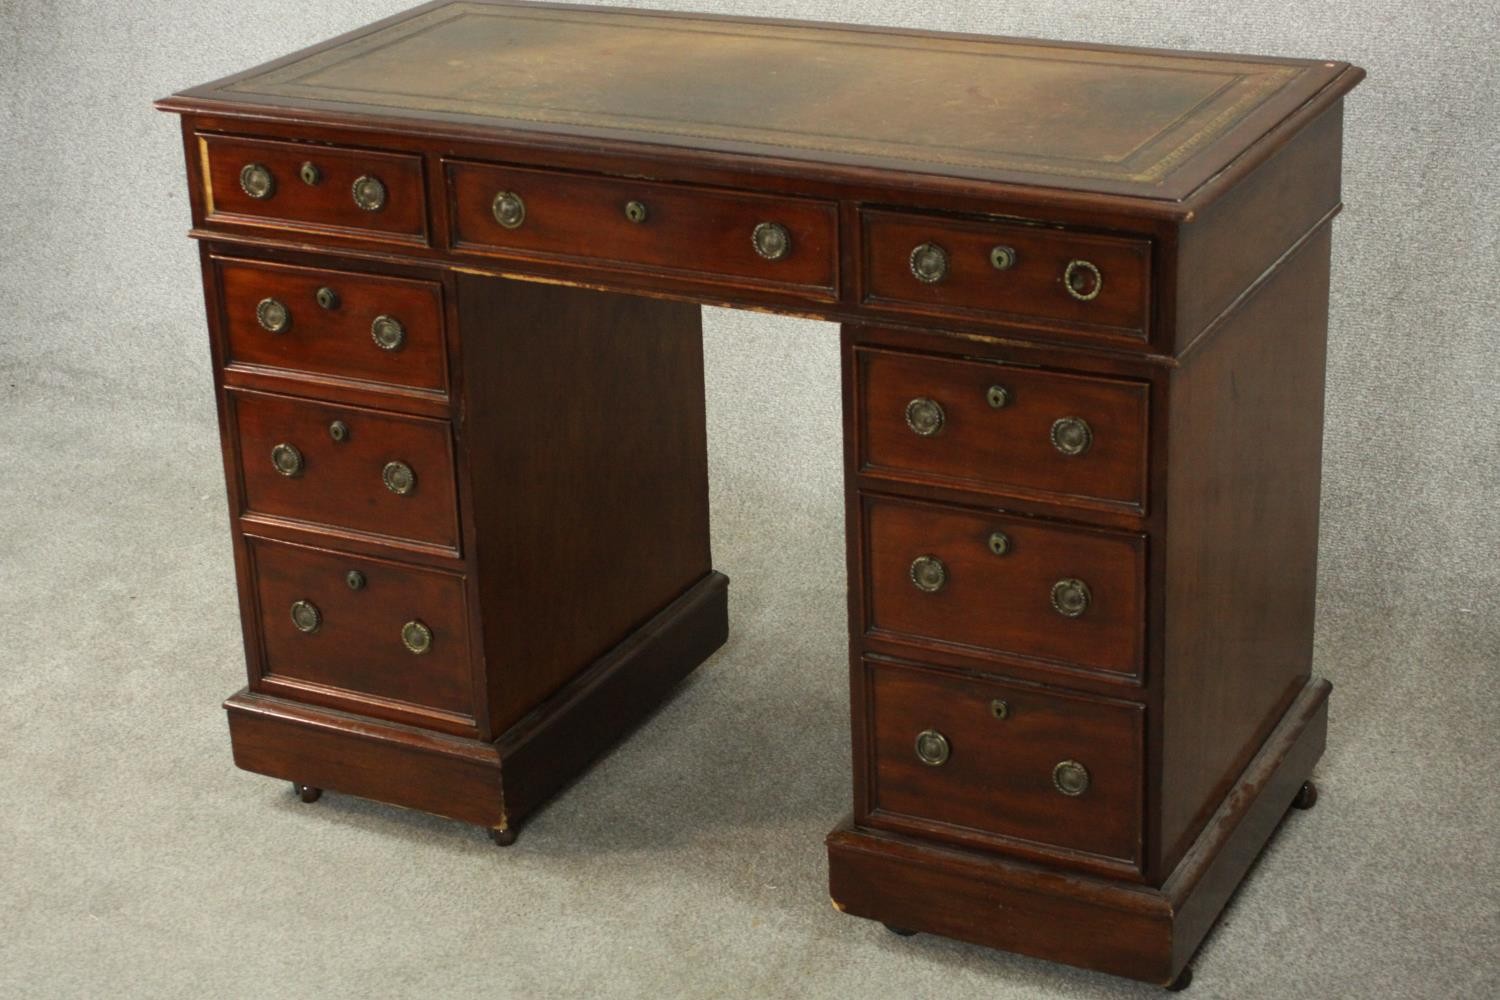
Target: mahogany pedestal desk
454, 262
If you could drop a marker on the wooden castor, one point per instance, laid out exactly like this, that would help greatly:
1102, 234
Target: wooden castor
307, 793
1307, 796
1183, 981
503, 835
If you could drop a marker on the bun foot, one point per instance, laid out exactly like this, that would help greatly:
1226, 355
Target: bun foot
1183, 981
503, 835
307, 793
1307, 796
899, 931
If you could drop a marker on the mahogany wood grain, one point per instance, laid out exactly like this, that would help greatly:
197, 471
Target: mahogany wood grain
357, 650
341, 481
1242, 537
584, 441
1002, 604
336, 343
325, 209
688, 230
1030, 290
1008, 450
997, 783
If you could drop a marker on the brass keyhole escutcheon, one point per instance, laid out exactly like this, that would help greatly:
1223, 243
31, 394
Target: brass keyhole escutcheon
306, 616
273, 315
369, 193
416, 637
327, 298
635, 211
1071, 778
997, 396
287, 459
1003, 258
398, 478
310, 174
388, 333
339, 431
1082, 280
932, 748
999, 543
928, 574
929, 263
355, 580
508, 209
256, 181
1072, 435
1000, 709
924, 416
1071, 598
771, 240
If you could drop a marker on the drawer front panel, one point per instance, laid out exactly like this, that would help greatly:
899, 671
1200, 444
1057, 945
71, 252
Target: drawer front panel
1009, 586
392, 209
935, 419
1109, 276
997, 758
339, 324
689, 231
291, 466
367, 638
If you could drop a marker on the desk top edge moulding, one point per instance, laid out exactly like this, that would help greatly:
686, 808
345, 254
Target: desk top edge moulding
454, 264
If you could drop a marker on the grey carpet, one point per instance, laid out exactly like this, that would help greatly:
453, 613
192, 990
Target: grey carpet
135, 861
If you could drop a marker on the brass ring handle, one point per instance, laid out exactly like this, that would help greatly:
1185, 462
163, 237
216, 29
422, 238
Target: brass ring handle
1082, 280
928, 574
287, 459
273, 315
1071, 598
929, 263
388, 333
924, 416
310, 174
635, 211
1071, 435
416, 637
327, 298
306, 616
256, 181
398, 478
1070, 777
508, 209
771, 240
1003, 258
369, 193
933, 748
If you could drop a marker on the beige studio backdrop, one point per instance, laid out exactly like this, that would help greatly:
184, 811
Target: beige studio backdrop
135, 861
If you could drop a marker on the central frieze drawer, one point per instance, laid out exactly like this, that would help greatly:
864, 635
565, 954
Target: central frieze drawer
746, 239
348, 467
1003, 429
978, 759
997, 584
340, 324
353, 626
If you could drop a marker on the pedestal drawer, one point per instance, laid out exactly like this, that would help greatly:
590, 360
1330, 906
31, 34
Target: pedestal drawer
339, 324
1081, 285
378, 473
1003, 429
359, 193
351, 629
737, 237
985, 761
1001, 585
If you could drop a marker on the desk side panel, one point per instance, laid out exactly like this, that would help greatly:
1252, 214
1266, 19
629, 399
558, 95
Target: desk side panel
1242, 538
